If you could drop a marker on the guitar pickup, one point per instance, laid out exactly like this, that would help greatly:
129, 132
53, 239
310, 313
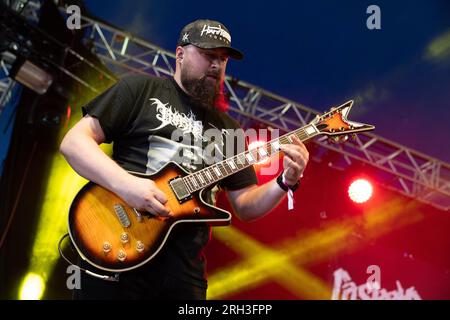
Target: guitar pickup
180, 189
122, 215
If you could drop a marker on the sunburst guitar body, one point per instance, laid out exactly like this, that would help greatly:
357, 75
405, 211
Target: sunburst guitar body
115, 237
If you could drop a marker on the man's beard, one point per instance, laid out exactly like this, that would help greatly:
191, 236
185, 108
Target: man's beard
203, 92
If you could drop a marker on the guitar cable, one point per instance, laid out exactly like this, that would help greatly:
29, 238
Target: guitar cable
114, 278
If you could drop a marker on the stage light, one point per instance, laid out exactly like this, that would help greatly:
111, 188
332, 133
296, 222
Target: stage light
32, 287
31, 75
360, 190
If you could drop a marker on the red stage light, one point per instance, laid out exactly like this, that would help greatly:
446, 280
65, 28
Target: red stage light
360, 190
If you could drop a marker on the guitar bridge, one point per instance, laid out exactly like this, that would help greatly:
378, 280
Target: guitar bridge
180, 189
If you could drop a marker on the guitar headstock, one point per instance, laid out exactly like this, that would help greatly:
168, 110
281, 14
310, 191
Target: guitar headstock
335, 124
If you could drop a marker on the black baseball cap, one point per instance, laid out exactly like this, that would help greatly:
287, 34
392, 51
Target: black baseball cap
208, 34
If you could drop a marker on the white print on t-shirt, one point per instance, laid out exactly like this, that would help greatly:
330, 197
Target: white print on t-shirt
186, 123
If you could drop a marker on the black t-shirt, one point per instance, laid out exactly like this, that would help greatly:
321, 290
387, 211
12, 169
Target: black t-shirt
151, 122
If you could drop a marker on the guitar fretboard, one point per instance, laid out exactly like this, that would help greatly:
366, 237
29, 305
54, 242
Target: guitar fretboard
216, 172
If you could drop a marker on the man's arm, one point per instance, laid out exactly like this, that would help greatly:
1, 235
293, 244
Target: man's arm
254, 201
80, 147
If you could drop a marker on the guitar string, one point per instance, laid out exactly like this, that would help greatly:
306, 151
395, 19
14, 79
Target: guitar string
223, 168
300, 133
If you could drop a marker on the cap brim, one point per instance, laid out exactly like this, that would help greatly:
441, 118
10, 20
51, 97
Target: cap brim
232, 52
235, 53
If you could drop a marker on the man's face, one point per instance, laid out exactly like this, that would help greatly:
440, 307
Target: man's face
202, 72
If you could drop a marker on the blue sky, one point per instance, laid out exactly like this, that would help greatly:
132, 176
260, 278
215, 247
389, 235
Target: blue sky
320, 53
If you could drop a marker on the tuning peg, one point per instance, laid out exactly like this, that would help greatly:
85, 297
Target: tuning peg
353, 136
344, 138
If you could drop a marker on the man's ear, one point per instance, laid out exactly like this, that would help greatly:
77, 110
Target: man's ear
179, 54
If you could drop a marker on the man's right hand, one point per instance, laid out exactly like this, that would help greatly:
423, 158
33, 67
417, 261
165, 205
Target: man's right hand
143, 194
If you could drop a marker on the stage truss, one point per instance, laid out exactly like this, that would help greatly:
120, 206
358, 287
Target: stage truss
399, 168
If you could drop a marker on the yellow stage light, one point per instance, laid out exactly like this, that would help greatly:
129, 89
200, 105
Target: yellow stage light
32, 287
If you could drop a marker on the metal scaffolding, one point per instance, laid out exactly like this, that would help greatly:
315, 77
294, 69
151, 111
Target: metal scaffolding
398, 168
29, 10
6, 83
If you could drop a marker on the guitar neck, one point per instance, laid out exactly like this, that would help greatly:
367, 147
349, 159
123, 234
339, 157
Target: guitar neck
216, 172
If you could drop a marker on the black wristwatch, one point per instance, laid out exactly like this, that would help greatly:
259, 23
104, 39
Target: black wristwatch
284, 186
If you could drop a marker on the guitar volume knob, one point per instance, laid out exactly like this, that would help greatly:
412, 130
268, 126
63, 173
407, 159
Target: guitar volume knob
106, 247
121, 256
124, 237
140, 246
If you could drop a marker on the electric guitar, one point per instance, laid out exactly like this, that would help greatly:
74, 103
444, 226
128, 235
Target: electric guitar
113, 236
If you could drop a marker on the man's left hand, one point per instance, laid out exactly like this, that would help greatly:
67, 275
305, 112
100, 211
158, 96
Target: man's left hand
296, 157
